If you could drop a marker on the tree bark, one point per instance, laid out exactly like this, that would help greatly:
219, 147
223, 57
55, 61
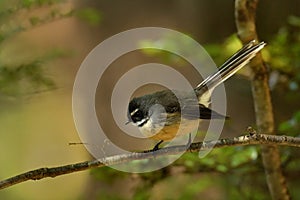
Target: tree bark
245, 11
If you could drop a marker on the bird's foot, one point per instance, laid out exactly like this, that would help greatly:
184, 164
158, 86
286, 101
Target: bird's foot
155, 148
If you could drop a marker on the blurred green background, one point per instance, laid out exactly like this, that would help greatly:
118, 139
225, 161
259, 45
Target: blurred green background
42, 44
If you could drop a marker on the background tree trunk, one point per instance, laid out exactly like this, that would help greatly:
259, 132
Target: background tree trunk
245, 21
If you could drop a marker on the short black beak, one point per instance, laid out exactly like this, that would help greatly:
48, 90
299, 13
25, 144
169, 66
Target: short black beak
127, 122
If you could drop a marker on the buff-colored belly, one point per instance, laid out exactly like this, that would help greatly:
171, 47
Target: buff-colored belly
168, 132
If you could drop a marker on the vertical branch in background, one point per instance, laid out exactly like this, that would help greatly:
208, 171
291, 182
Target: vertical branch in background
245, 21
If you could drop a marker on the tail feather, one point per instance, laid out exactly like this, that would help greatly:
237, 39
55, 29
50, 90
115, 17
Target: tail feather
229, 68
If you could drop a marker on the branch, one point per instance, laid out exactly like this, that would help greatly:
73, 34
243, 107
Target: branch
250, 139
245, 11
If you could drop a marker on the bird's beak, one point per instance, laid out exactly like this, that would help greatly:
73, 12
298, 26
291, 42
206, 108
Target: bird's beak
127, 122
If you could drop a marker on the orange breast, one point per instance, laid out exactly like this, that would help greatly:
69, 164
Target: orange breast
169, 132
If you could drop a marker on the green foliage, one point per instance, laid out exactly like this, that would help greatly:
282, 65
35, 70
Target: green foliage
291, 126
191, 190
107, 174
166, 47
283, 53
90, 15
18, 16
143, 191
31, 3
183, 45
15, 80
220, 160
284, 57
231, 168
220, 52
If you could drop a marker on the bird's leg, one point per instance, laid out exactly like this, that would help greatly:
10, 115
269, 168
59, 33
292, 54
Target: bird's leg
156, 147
189, 141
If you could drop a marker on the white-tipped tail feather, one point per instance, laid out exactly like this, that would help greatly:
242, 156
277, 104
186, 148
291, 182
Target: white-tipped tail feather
229, 68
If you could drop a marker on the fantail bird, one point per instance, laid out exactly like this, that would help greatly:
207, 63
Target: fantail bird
158, 115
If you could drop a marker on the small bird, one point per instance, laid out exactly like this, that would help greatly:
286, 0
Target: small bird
158, 115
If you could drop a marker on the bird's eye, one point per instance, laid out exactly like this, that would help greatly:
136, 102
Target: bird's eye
136, 115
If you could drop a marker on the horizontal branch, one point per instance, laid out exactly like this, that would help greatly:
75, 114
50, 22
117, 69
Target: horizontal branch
251, 139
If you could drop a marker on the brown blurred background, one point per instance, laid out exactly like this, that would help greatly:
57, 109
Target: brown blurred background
36, 129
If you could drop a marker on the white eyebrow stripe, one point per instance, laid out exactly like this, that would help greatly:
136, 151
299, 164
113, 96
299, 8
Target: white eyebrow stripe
133, 112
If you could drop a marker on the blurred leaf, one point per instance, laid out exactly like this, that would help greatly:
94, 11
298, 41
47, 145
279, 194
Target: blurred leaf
142, 193
28, 3
291, 126
31, 3
34, 21
222, 168
244, 155
107, 174
24, 79
194, 188
171, 47
90, 15
56, 53
284, 51
294, 20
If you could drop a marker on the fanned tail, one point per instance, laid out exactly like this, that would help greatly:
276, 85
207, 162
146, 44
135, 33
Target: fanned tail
229, 68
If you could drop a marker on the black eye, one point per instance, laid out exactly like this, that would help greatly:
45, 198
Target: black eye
137, 115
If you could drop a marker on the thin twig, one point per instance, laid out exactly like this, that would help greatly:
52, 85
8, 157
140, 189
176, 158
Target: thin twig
251, 139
